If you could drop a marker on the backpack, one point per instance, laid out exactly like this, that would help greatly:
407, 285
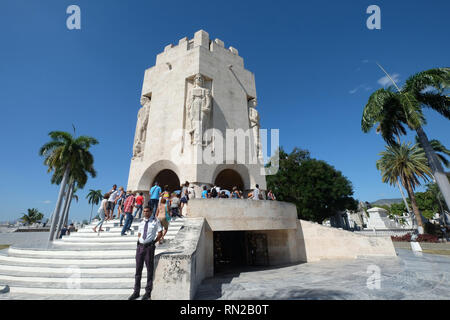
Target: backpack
213, 193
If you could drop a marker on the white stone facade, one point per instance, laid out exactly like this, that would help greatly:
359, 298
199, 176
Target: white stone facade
200, 76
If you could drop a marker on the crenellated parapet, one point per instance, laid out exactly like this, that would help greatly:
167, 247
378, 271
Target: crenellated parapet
201, 41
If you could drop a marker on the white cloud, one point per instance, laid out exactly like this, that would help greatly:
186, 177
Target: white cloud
354, 90
46, 201
384, 81
361, 86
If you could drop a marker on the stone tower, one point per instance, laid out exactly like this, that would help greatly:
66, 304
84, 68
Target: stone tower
198, 120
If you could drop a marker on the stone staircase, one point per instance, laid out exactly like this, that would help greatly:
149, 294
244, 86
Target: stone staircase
84, 265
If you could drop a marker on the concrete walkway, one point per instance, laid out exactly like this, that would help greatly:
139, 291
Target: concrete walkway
406, 277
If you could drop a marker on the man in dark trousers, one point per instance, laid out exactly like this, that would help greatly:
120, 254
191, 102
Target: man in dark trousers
150, 232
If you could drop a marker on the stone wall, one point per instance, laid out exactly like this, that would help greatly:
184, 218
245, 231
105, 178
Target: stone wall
317, 242
244, 214
180, 269
190, 257
290, 240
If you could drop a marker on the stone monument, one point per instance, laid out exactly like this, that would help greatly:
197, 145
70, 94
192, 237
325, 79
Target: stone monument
199, 123
197, 100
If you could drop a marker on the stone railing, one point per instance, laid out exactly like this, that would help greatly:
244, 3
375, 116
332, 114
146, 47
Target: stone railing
180, 269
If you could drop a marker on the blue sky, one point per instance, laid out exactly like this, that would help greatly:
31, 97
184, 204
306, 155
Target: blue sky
314, 64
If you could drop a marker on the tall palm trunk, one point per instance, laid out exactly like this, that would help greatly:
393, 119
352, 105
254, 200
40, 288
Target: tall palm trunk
66, 206
66, 216
403, 197
435, 165
56, 213
415, 208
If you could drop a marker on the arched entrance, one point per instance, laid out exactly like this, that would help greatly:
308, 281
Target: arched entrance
228, 178
169, 178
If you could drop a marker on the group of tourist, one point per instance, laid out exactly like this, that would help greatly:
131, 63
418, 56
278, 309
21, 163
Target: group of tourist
216, 192
162, 207
163, 204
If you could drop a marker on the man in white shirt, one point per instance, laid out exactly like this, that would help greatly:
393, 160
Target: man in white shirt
150, 232
255, 193
111, 202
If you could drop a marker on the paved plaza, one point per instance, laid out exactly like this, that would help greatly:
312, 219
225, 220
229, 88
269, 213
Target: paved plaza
406, 277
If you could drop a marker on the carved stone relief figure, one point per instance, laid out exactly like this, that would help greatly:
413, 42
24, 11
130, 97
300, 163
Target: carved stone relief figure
198, 110
254, 126
141, 128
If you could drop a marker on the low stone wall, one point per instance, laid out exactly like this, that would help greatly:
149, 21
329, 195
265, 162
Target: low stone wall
317, 242
180, 269
190, 256
244, 214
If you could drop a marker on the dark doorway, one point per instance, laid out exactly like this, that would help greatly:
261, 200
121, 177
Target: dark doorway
169, 178
229, 250
236, 250
227, 179
257, 249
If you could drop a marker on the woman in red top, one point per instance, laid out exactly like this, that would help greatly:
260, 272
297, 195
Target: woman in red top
139, 203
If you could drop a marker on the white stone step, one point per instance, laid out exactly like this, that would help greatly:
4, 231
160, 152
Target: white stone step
101, 245
99, 262
62, 271
73, 280
106, 237
86, 235
116, 223
70, 253
177, 224
96, 239
89, 293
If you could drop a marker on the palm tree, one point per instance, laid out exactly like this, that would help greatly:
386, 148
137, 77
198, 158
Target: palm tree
406, 164
395, 109
69, 159
94, 197
32, 216
440, 150
437, 194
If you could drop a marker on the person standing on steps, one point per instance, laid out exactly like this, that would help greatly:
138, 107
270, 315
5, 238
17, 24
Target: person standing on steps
155, 193
164, 217
150, 232
184, 196
139, 204
102, 212
175, 205
111, 202
128, 209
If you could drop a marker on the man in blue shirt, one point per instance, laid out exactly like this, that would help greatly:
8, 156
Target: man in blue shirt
155, 193
204, 193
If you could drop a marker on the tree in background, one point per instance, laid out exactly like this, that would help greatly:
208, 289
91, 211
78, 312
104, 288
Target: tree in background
398, 209
393, 109
32, 216
71, 161
94, 197
406, 164
440, 150
317, 189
